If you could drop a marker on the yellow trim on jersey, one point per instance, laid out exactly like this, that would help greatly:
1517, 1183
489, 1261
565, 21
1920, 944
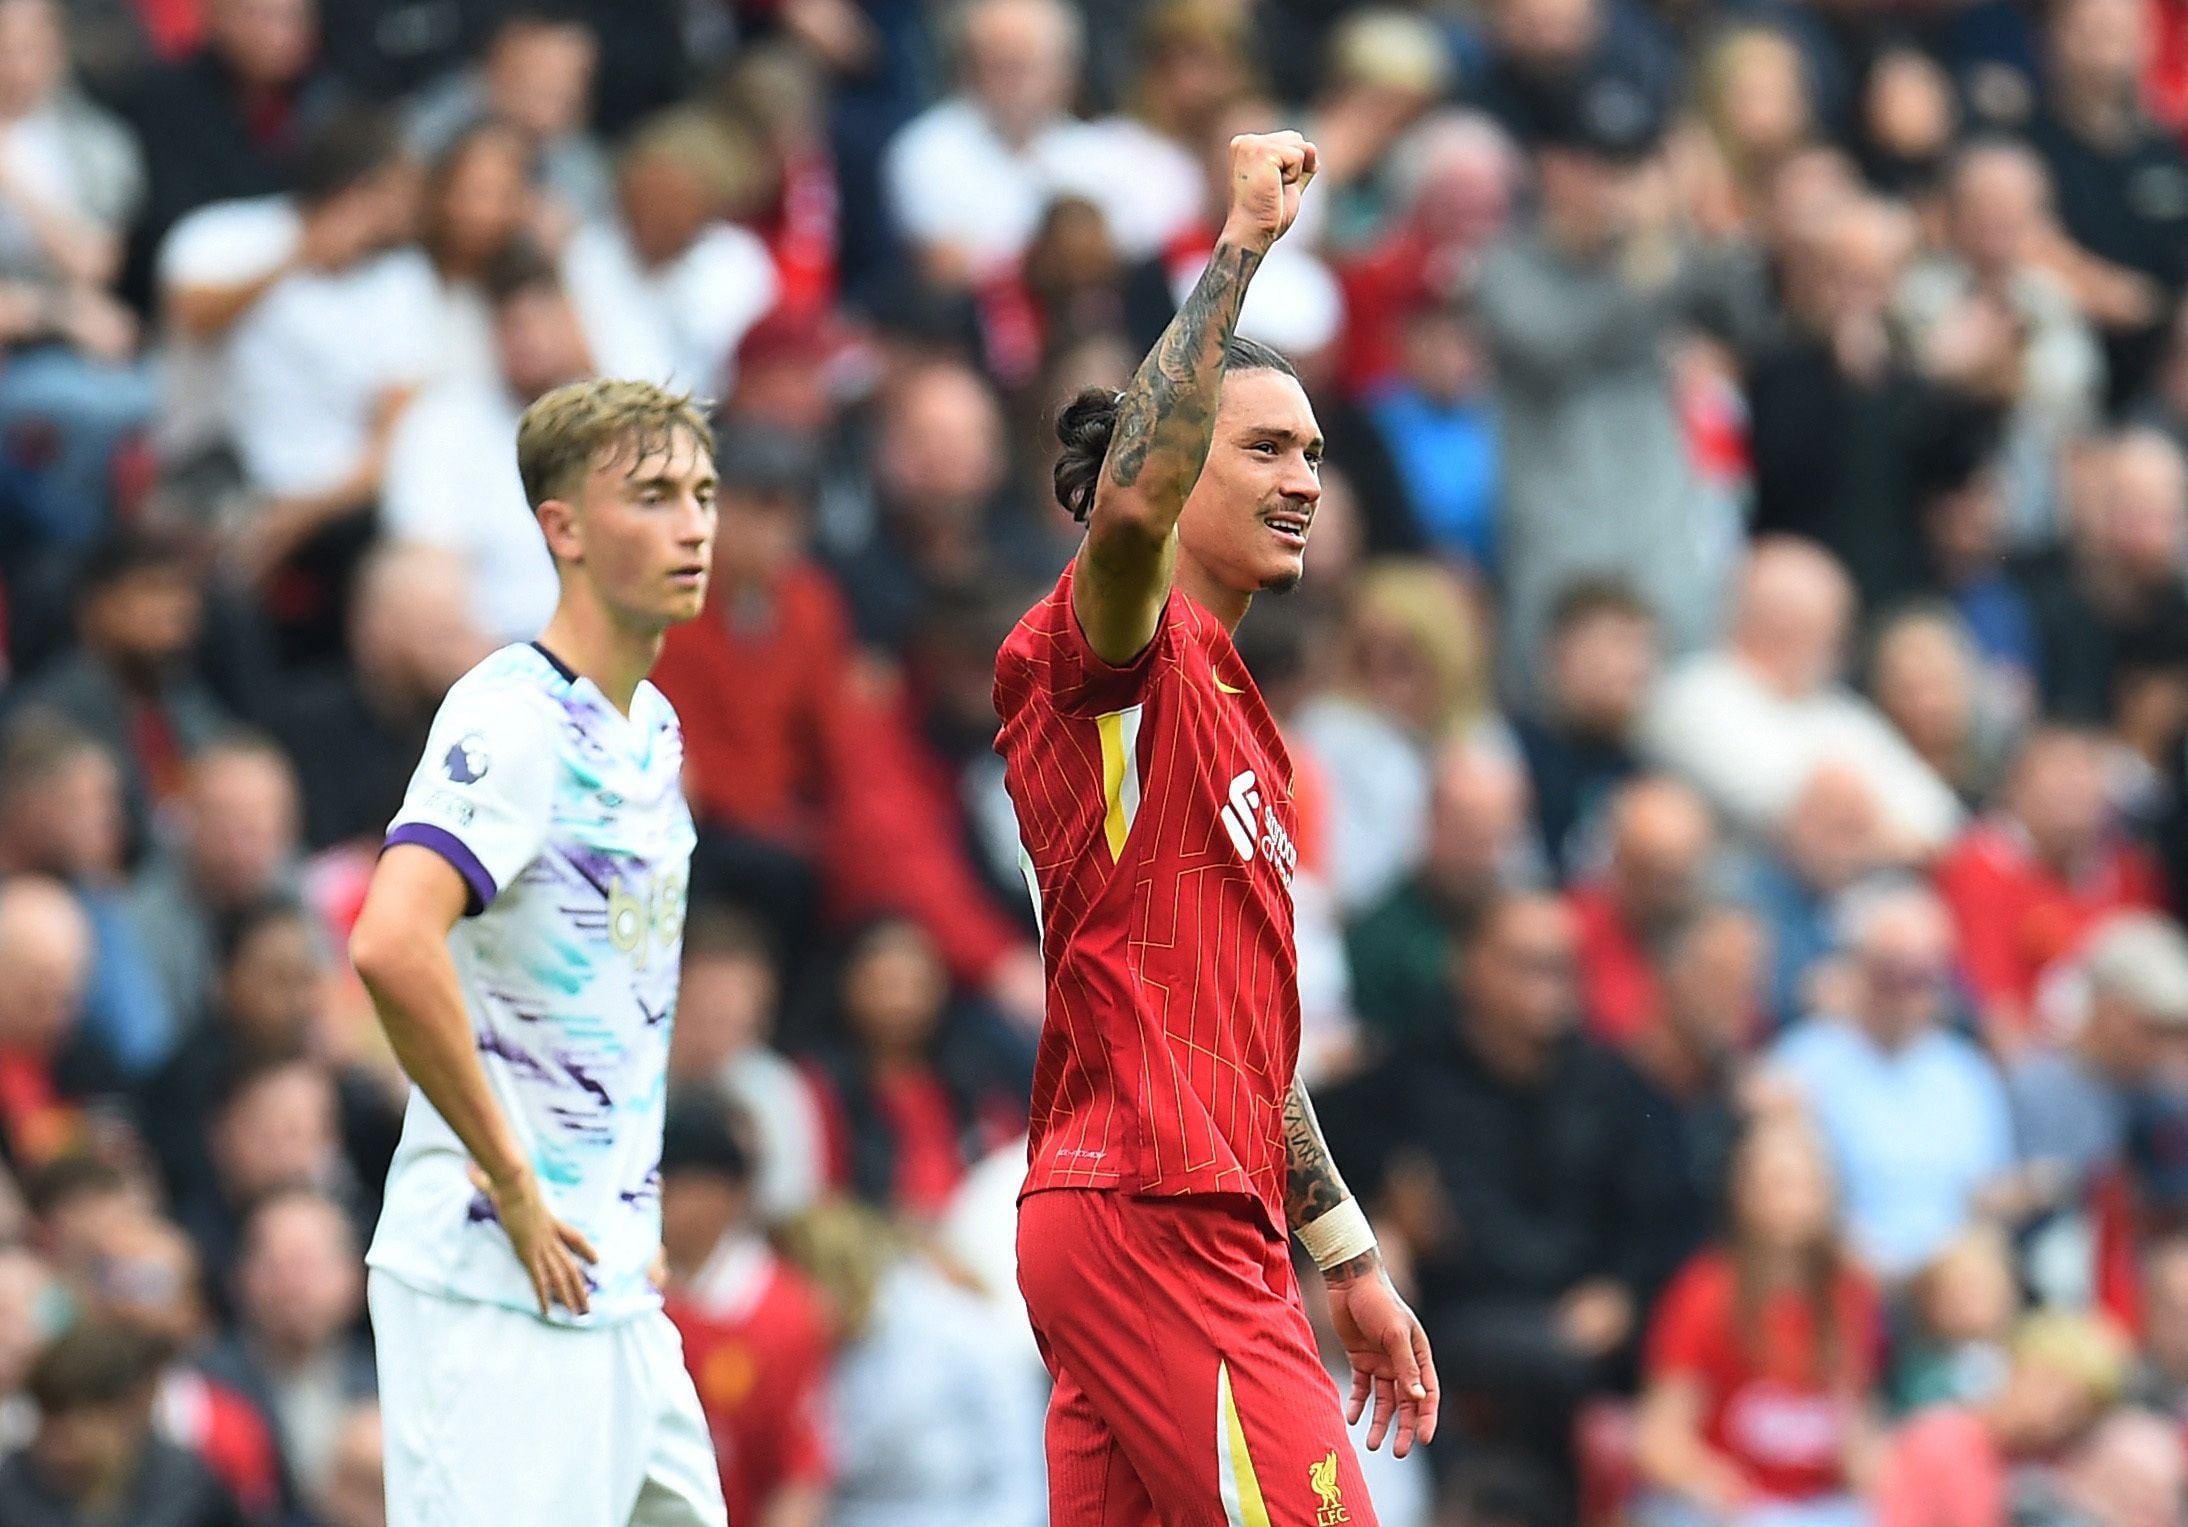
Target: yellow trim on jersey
1120, 734
1241, 1491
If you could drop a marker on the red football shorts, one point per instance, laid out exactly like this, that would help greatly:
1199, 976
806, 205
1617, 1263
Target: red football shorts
1188, 1389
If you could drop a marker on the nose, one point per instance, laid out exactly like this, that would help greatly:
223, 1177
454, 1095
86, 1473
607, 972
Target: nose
695, 525
1301, 482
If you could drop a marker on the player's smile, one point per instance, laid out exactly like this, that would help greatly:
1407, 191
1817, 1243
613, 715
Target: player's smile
1289, 525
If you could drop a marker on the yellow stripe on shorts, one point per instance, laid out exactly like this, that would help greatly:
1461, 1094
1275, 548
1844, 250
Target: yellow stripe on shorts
1241, 1492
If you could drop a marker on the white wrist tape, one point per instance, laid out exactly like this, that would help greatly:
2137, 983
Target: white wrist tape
1337, 1235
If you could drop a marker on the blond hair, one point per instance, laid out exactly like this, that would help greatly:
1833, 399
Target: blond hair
568, 432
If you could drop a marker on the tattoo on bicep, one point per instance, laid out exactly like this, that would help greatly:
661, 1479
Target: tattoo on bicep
1312, 1186
1169, 410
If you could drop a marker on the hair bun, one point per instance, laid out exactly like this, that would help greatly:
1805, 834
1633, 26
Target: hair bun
1084, 427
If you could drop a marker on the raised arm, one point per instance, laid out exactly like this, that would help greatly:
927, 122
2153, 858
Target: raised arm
1383, 1338
1167, 415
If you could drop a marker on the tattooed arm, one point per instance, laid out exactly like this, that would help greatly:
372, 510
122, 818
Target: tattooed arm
1167, 415
1391, 1364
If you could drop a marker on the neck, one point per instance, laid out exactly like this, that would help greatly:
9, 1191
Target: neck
1224, 603
1778, 1266
2097, 115
597, 646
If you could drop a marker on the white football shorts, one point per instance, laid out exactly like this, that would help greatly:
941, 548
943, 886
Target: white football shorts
493, 1418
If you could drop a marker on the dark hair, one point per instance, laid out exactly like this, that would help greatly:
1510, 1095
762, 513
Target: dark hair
724, 931
120, 554
348, 150
39, 743
1090, 419
68, 1179
95, 1363
1589, 598
245, 923
519, 270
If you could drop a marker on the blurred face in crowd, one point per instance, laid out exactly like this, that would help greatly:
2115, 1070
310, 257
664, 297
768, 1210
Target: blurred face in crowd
640, 530
355, 1491
278, 1132
33, 54
144, 1273
1477, 816
667, 202
1910, 110
540, 341
275, 988
1602, 668
145, 621
699, 1207
539, 76
70, 821
942, 455
1245, 524
479, 199
1925, 684
268, 43
1962, 525
411, 630
298, 1276
2000, 202
45, 949
1467, 173
85, 1449
1902, 962
2047, 1402
1712, 980
1782, 1196
1661, 842
2098, 48
1021, 63
1805, 191
1795, 608
1762, 105
2165, 1308
242, 815
894, 990
761, 539
2058, 795
1547, 35
1520, 976
1193, 76
725, 1008
1833, 832
1443, 355
1587, 200
2143, 509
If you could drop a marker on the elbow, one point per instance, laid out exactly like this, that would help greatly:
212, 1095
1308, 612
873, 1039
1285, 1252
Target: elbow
376, 951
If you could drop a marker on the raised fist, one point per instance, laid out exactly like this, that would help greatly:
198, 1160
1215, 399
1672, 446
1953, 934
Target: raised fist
1268, 171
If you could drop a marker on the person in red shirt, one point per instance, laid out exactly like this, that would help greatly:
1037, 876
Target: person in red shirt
755, 1333
2026, 884
1661, 842
1171, 1142
1763, 1354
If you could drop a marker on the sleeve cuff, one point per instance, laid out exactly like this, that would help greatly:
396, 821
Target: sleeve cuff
479, 884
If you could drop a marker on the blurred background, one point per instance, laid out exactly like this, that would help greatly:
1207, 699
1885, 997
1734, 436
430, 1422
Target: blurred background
1738, 699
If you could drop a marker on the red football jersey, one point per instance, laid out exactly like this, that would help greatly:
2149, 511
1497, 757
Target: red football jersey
1156, 827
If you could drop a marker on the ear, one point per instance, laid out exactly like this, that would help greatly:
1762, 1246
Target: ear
561, 524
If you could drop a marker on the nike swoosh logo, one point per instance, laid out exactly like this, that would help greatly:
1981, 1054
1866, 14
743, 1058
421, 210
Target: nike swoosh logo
1227, 689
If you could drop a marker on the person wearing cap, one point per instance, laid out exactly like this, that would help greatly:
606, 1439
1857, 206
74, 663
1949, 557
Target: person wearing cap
1578, 311
756, 1336
2072, 1103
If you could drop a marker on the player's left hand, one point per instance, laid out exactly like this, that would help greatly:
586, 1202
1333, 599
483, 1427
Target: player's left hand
1390, 1361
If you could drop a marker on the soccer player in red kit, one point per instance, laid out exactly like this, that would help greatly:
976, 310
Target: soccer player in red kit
1172, 1142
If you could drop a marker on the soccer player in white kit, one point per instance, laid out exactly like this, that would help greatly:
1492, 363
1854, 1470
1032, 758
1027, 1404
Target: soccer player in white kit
521, 940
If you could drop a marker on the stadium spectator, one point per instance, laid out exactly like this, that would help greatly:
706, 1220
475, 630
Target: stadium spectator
1831, 839
49, 1067
1986, 316
129, 680
224, 122
442, 490
475, 205
95, 1457
665, 285
1600, 666
756, 1338
1757, 107
70, 180
1661, 842
933, 1417
724, 1039
1542, 1210
276, 1125
355, 1494
1437, 421
1888, 1058
1971, 1466
1400, 948
1576, 310
1964, 1306
1926, 679
295, 1353
237, 842
1963, 535
1776, 685
1762, 1359
2160, 1381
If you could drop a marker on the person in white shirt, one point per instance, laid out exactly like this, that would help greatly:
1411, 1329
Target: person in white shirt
669, 286
476, 205
1750, 723
966, 182
520, 940
442, 490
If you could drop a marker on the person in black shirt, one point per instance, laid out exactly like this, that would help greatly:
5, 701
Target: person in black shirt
1603, 661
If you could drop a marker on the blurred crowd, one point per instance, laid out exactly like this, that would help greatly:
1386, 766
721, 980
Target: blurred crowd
1738, 699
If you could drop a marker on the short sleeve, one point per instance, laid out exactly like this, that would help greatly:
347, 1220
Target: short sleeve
1081, 682
483, 794
229, 242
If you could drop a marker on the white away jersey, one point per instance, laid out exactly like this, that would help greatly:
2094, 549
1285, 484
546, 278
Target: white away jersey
567, 820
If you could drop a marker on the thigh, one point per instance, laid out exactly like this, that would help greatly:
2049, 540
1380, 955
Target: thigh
1177, 1321
682, 1486
1090, 1481
491, 1416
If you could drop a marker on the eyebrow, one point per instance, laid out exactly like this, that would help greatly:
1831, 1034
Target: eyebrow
665, 480
1278, 432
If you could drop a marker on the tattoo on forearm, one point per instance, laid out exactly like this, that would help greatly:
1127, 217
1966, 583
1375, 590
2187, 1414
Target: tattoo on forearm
1365, 1265
1167, 415
1311, 1185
